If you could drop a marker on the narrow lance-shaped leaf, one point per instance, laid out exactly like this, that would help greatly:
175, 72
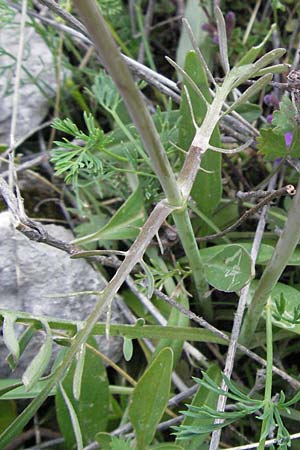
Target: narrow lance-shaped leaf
9, 335
150, 398
198, 52
40, 362
80, 358
253, 53
252, 90
269, 57
124, 224
73, 417
222, 35
150, 278
188, 79
127, 348
238, 75
24, 339
276, 68
92, 409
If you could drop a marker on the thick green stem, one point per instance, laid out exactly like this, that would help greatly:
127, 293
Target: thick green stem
268, 385
190, 246
282, 253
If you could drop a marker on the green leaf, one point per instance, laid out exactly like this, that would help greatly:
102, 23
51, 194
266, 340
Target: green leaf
203, 397
124, 224
8, 413
230, 269
77, 379
253, 53
127, 348
108, 442
222, 35
93, 406
9, 335
17, 391
73, 418
175, 317
238, 75
264, 255
96, 222
196, 17
40, 362
275, 68
150, 398
207, 188
285, 119
104, 440
149, 278
249, 112
252, 90
271, 145
292, 301
151, 331
24, 339
269, 57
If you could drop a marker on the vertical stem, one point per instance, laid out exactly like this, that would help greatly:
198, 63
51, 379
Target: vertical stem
268, 386
190, 246
115, 65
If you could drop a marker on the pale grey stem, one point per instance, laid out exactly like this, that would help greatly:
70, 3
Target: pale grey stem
146, 28
189, 348
203, 323
137, 67
238, 317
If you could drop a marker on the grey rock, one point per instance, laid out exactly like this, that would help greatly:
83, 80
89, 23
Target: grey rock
31, 271
37, 81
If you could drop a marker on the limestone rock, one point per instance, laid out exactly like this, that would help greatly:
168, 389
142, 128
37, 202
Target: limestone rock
31, 270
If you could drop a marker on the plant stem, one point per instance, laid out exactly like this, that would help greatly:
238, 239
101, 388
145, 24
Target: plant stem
268, 385
189, 243
115, 65
176, 192
283, 251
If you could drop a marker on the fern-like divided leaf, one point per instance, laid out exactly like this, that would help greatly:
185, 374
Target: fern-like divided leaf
82, 155
244, 406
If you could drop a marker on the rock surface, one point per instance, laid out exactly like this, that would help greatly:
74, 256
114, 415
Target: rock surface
30, 270
37, 81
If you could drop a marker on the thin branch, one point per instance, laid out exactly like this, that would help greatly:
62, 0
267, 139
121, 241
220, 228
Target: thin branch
238, 317
203, 323
146, 28
286, 190
139, 69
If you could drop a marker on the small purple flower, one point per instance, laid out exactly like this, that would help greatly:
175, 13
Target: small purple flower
271, 100
288, 137
230, 22
212, 30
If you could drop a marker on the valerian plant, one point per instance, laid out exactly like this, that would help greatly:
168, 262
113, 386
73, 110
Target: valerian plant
84, 157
